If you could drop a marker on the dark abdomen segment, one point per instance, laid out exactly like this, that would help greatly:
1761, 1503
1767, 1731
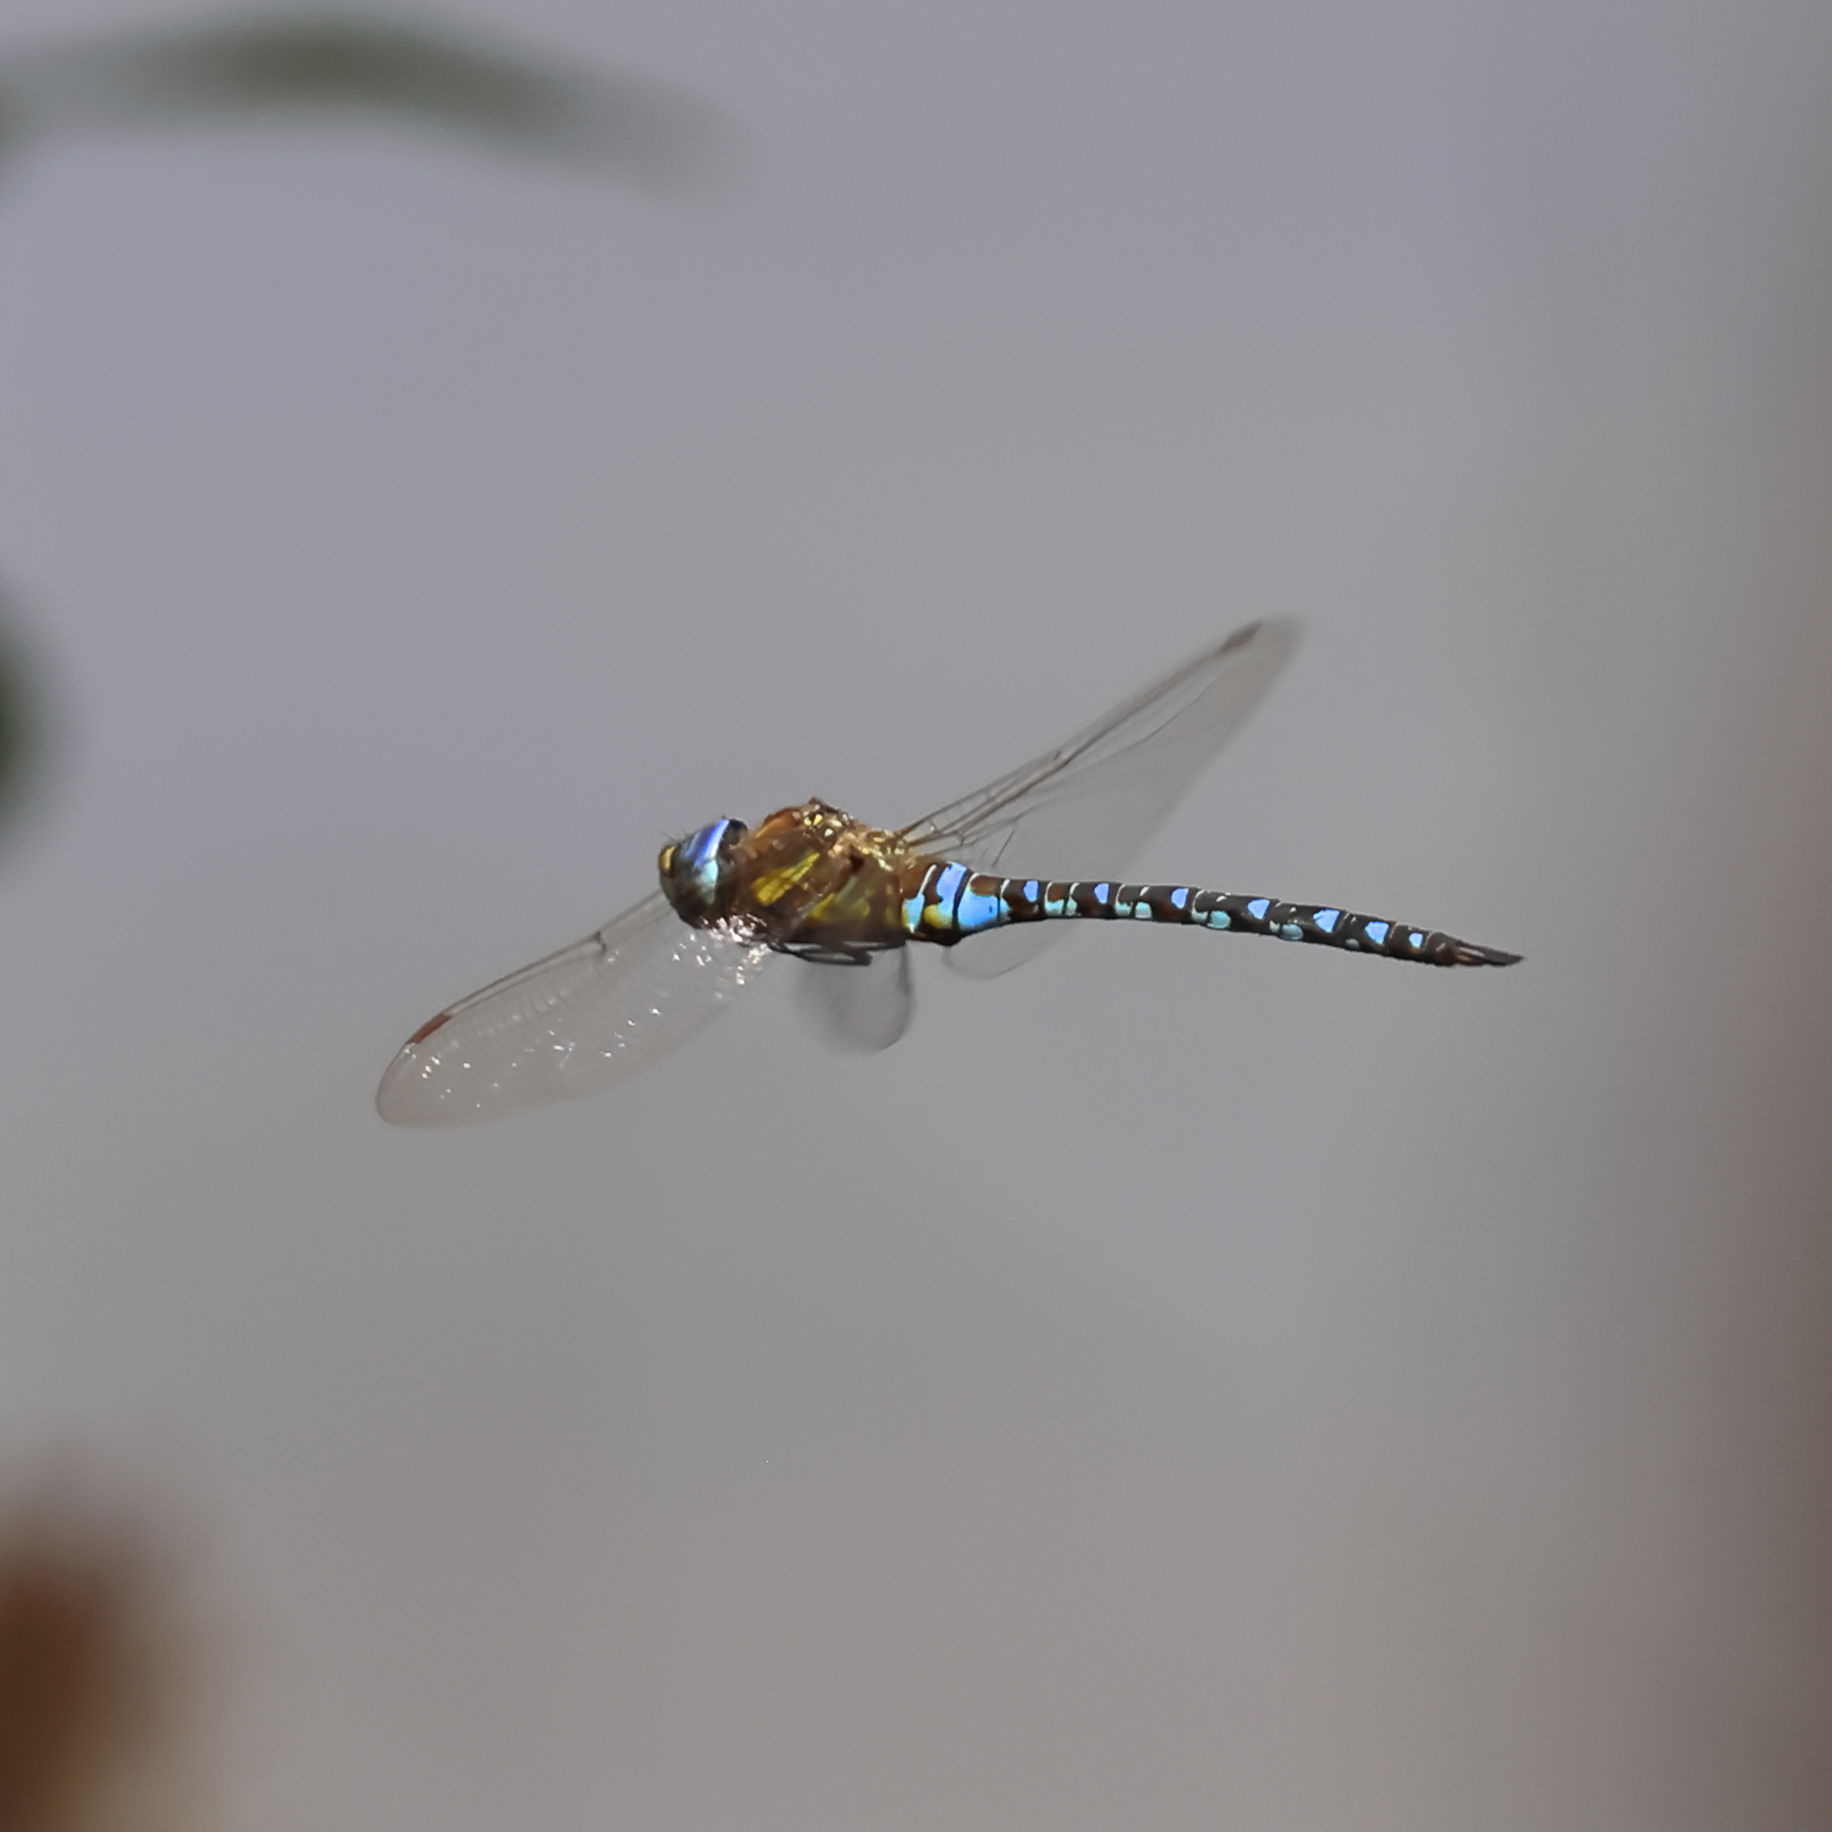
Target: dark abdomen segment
953, 903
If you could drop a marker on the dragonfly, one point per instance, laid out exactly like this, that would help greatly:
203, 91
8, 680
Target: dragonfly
852, 902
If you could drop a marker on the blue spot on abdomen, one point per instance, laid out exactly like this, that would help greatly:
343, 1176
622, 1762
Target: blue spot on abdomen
977, 911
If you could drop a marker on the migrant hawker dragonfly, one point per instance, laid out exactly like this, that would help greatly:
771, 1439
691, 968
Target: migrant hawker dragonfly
851, 900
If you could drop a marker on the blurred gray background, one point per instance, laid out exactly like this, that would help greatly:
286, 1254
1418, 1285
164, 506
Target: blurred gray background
1183, 1385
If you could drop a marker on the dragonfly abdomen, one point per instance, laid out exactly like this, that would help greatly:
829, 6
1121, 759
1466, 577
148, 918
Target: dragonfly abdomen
952, 903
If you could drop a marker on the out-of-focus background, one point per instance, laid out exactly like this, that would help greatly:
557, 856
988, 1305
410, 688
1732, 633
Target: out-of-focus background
1184, 1384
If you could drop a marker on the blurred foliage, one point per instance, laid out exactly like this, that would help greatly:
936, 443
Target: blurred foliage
241, 70
21, 722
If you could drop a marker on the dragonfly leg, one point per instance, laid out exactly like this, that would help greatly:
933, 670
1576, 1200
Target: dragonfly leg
831, 953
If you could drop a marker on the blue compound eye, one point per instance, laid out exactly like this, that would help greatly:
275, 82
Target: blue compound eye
700, 874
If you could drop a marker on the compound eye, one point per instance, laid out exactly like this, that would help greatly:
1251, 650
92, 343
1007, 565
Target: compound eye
699, 874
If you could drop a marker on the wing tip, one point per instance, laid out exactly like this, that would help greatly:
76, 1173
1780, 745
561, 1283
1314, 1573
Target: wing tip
1278, 636
402, 1097
389, 1103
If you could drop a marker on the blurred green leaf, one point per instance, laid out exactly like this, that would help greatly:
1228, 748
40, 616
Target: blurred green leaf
308, 63
21, 723
311, 63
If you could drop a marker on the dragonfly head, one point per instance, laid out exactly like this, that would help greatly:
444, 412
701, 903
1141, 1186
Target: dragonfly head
700, 874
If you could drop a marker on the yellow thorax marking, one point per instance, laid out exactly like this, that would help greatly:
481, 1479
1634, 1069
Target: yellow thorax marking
848, 899
770, 886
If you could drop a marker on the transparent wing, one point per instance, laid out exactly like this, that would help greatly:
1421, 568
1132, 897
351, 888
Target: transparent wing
1084, 809
863, 1008
570, 1023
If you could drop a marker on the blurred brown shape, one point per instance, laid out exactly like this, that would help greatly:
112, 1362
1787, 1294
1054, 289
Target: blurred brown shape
319, 62
86, 1674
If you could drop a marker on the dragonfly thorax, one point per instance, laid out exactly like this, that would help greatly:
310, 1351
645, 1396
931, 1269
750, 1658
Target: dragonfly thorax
700, 874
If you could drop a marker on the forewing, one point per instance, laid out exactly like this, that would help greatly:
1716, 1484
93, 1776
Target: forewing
569, 1024
864, 1007
1086, 808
